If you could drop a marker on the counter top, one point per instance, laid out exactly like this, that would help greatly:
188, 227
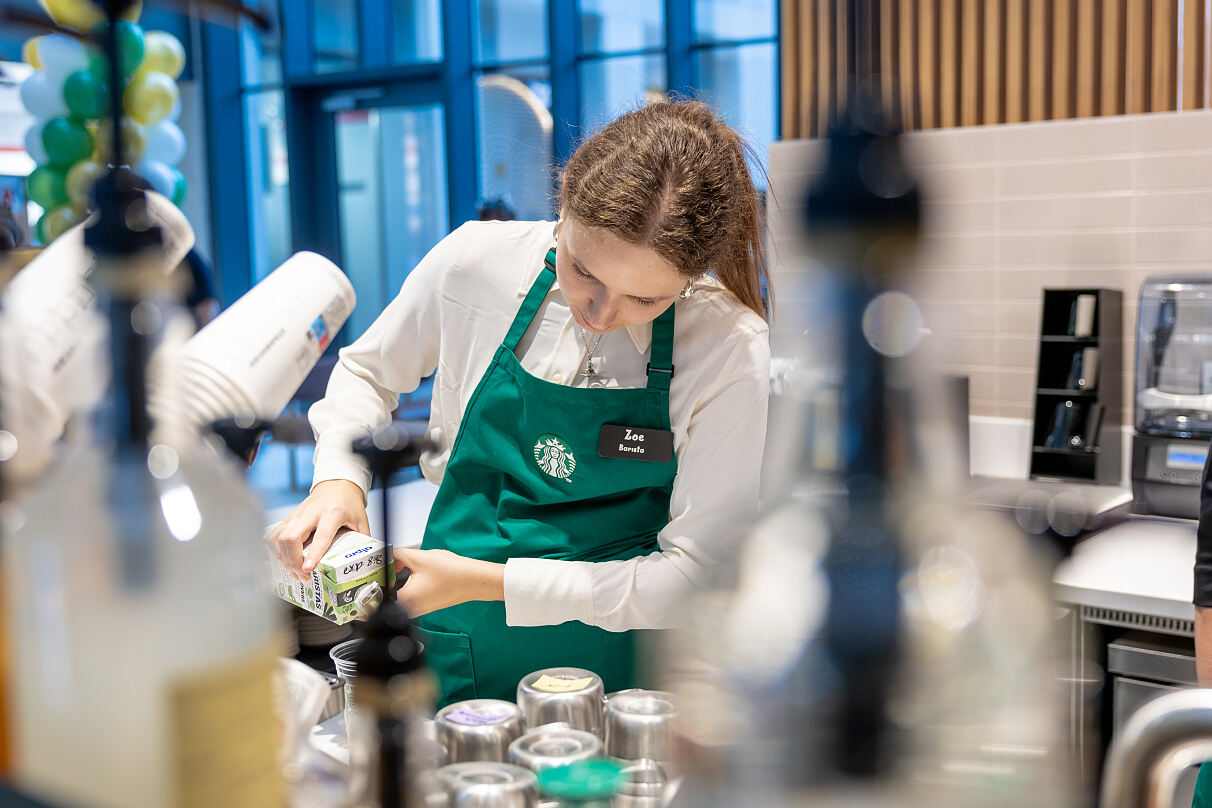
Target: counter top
1144, 565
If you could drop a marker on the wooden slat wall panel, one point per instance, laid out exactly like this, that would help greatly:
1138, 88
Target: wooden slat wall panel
1016, 61
1039, 45
927, 56
841, 53
1194, 46
1064, 56
889, 51
994, 107
793, 96
968, 62
948, 63
1086, 75
825, 76
1112, 57
1163, 94
1136, 55
908, 62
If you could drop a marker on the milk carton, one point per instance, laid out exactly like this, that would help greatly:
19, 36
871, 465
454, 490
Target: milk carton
347, 583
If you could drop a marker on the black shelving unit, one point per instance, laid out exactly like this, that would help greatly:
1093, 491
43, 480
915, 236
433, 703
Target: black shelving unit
1075, 433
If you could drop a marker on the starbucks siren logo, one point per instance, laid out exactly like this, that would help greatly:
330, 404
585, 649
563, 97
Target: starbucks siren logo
554, 457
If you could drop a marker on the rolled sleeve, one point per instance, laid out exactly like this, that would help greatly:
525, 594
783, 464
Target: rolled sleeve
399, 349
708, 512
542, 592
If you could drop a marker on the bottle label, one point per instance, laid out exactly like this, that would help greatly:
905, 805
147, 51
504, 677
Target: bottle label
553, 684
476, 718
224, 737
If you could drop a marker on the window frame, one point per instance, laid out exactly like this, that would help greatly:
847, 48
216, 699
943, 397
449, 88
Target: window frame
453, 76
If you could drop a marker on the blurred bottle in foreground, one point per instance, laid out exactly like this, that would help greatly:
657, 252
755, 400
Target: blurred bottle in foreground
142, 636
879, 643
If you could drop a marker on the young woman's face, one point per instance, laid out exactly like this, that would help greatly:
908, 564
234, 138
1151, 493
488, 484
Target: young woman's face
610, 283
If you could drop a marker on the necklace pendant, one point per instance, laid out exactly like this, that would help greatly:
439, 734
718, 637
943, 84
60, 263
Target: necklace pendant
590, 371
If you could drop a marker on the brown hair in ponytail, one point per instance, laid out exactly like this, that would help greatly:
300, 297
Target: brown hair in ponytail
672, 177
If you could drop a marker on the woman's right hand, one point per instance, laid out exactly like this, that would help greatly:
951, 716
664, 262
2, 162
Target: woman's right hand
331, 505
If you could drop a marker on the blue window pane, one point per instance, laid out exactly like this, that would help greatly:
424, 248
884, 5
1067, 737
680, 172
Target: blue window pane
392, 197
260, 58
335, 35
510, 30
610, 87
514, 125
740, 83
416, 34
268, 182
621, 25
729, 20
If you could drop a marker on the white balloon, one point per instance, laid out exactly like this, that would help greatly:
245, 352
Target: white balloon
42, 98
165, 143
175, 112
33, 144
61, 56
159, 175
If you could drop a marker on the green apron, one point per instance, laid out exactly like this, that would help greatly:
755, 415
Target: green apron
524, 480
1203, 787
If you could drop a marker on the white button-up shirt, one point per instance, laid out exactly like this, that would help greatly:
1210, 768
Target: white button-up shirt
452, 314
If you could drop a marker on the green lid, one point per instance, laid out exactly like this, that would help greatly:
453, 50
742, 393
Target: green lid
584, 780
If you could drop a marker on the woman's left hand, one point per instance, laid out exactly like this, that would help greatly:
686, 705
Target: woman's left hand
439, 578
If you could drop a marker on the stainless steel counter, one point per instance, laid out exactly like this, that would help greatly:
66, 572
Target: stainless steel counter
1142, 566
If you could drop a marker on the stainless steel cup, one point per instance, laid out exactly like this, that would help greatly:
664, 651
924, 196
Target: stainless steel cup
645, 786
570, 695
639, 725
479, 729
546, 749
488, 784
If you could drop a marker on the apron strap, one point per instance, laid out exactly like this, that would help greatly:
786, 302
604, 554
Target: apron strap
660, 355
534, 299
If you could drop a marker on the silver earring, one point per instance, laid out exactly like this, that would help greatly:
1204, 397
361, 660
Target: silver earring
555, 231
687, 290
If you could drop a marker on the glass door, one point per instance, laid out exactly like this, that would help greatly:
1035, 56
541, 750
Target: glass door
392, 200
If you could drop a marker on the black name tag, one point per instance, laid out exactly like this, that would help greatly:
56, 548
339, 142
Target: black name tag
632, 443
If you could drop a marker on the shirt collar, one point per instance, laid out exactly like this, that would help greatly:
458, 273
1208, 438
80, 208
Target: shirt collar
641, 335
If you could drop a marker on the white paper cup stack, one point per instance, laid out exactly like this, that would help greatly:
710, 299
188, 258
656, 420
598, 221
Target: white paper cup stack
253, 356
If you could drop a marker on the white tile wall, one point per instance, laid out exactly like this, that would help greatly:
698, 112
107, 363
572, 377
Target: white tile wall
1010, 210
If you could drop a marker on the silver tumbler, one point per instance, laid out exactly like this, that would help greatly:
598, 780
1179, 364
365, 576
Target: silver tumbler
488, 784
570, 695
639, 725
479, 729
546, 749
645, 786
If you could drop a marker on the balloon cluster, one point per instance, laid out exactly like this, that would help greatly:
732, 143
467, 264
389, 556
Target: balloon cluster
71, 138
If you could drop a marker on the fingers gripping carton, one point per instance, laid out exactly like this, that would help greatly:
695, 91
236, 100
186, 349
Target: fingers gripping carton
347, 583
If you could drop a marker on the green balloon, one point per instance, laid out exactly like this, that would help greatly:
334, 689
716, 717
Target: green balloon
130, 45
66, 142
47, 187
98, 64
40, 229
84, 95
179, 186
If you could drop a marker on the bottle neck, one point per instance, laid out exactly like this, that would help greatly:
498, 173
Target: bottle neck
141, 309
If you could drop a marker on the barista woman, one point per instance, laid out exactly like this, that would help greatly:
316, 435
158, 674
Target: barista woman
600, 399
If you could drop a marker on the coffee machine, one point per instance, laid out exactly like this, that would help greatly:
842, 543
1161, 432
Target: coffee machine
1173, 394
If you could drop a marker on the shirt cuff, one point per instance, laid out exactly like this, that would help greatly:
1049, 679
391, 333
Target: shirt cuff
342, 467
546, 592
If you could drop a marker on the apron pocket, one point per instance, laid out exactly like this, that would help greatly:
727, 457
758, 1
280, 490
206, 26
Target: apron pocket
448, 655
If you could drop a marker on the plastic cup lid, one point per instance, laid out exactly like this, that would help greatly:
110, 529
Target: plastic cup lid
585, 780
